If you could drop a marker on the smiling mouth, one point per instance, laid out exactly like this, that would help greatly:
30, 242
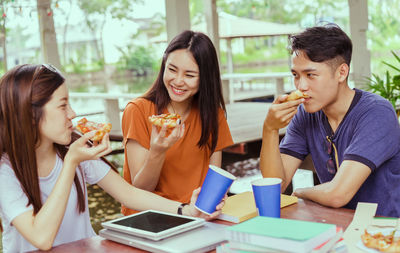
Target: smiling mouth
177, 91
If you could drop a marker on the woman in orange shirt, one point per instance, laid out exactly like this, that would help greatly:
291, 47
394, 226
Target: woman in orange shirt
173, 163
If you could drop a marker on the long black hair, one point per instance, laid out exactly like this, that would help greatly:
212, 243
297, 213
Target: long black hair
209, 97
24, 91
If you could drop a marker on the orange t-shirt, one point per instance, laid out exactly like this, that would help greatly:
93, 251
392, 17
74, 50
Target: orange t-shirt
185, 165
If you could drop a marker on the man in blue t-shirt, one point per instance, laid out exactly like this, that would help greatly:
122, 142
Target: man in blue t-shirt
353, 136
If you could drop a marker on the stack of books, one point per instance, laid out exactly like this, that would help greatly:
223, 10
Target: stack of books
265, 234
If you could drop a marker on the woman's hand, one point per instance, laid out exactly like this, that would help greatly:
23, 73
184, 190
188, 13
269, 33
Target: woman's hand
80, 150
280, 113
191, 210
160, 141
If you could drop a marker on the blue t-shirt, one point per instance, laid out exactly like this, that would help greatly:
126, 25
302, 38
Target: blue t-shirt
369, 133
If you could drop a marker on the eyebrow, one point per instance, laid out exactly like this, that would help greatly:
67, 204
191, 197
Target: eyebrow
191, 71
305, 70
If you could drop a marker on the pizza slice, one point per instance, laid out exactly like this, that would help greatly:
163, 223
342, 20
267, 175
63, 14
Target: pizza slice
294, 95
84, 126
169, 119
381, 242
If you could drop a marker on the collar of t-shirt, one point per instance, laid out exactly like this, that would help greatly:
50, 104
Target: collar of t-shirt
325, 121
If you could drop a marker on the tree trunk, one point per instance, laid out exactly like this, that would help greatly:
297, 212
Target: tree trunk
48, 37
101, 40
3, 39
96, 40
3, 43
65, 60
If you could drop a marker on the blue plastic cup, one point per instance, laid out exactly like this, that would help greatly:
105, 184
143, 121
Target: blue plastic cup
215, 186
267, 195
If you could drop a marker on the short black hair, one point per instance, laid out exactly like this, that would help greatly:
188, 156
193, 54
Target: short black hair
323, 43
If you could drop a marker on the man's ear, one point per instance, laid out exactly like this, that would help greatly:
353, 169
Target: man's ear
342, 72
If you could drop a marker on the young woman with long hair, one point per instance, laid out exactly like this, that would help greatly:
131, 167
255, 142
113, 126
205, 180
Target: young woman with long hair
172, 163
43, 171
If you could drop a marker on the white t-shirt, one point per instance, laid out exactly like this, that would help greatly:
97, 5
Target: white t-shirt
13, 201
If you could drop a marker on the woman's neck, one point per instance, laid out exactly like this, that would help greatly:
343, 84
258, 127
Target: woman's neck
45, 158
181, 108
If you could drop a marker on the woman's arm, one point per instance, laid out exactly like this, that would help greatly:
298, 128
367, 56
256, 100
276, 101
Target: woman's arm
145, 165
138, 199
41, 229
216, 158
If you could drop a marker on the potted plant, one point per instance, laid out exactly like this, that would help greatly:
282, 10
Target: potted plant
389, 86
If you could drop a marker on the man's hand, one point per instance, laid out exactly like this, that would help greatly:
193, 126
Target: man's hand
280, 113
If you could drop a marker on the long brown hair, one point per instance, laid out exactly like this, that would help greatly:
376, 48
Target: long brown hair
209, 97
24, 90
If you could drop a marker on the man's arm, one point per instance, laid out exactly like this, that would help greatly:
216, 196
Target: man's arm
272, 163
275, 164
341, 189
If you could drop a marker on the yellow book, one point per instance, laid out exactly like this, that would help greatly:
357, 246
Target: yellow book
241, 207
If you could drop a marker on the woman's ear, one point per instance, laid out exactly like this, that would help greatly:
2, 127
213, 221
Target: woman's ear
343, 72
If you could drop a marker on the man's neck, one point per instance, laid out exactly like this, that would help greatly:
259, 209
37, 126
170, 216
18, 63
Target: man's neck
336, 111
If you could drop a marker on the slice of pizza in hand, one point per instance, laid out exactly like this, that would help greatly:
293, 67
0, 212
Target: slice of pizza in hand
84, 126
294, 95
171, 120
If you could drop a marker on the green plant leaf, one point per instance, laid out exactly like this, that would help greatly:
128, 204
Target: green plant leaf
387, 87
390, 65
396, 81
396, 56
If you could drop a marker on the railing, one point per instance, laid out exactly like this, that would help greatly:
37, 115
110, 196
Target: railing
112, 107
229, 80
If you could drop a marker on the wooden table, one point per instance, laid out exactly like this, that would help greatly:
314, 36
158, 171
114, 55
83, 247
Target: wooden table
303, 210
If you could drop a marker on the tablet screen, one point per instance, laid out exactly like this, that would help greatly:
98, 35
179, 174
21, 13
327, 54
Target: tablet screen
152, 222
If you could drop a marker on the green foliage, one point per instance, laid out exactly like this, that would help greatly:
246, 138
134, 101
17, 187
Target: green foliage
119, 9
284, 11
76, 64
196, 12
138, 59
98, 64
258, 49
389, 86
384, 24
2, 70
76, 67
96, 12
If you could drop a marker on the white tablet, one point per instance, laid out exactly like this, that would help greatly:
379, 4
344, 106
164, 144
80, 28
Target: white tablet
202, 239
154, 225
